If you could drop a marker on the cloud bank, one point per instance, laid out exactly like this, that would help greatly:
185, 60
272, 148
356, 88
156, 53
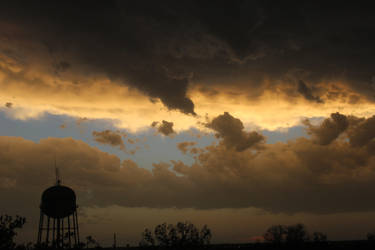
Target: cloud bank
303, 175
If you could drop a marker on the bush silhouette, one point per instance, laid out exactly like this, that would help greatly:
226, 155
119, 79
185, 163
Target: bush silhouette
90, 241
296, 234
180, 235
275, 234
371, 237
292, 235
319, 237
8, 225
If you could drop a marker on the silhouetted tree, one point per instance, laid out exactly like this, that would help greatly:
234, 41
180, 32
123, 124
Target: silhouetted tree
179, 235
147, 238
319, 237
8, 225
296, 234
26, 246
91, 241
275, 234
66, 239
162, 234
172, 234
371, 236
205, 235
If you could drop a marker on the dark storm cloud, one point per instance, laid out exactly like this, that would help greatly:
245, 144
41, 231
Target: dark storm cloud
61, 67
118, 39
306, 92
160, 47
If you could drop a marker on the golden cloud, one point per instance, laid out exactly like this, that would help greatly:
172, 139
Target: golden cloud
128, 108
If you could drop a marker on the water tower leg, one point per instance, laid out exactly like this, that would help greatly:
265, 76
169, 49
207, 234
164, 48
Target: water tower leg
53, 232
77, 226
62, 232
40, 228
74, 229
47, 235
58, 233
70, 242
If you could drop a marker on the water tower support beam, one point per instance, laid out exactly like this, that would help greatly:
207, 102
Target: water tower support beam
53, 232
40, 227
62, 232
74, 229
70, 242
77, 225
47, 235
58, 236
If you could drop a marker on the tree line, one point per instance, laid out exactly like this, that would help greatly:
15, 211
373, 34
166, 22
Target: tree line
183, 234
179, 235
292, 234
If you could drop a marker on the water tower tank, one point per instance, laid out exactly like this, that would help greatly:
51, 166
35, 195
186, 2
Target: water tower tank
58, 202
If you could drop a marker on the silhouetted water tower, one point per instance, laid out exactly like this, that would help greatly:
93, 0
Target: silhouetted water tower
58, 224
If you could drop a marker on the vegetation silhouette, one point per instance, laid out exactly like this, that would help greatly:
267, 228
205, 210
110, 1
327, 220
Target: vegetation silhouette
371, 237
296, 234
90, 241
275, 234
183, 234
8, 226
319, 237
292, 235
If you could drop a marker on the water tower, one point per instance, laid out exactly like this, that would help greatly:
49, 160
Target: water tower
58, 224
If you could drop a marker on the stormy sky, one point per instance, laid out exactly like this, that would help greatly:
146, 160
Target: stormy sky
235, 114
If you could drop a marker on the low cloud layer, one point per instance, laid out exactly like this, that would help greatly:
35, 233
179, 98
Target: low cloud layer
302, 175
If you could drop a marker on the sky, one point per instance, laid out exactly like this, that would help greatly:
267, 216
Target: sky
235, 114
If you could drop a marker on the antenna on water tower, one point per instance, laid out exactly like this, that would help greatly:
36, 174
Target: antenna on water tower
58, 180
